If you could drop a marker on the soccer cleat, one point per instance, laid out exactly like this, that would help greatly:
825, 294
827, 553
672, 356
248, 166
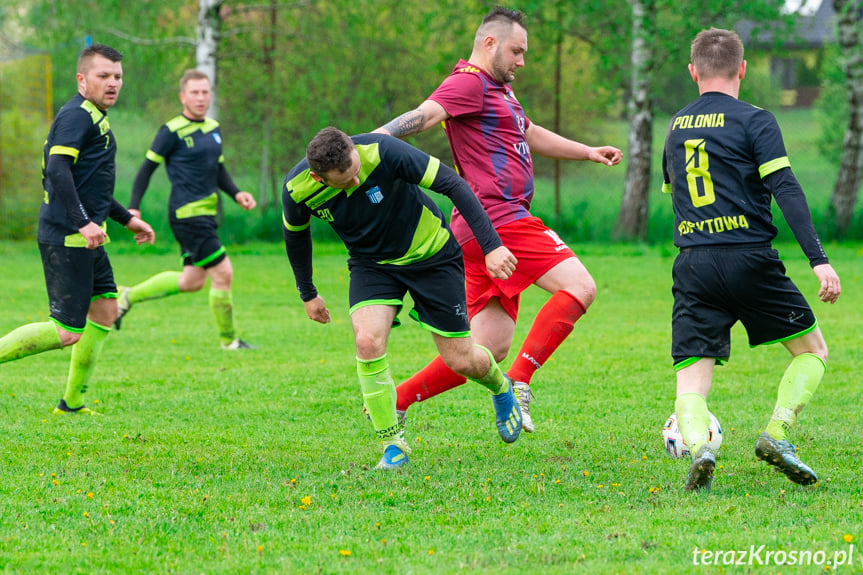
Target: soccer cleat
123, 306
507, 413
523, 395
394, 457
238, 344
63, 409
701, 470
782, 455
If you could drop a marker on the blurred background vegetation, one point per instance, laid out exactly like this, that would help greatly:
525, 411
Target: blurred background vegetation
288, 68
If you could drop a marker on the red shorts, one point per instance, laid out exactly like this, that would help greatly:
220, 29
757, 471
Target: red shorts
537, 249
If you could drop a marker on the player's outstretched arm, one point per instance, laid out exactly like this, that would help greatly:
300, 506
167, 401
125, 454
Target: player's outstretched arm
427, 115
547, 143
144, 234
317, 310
830, 285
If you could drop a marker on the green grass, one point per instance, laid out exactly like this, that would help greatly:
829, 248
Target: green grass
259, 462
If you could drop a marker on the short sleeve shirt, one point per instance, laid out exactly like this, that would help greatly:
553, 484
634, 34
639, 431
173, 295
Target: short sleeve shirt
486, 131
80, 130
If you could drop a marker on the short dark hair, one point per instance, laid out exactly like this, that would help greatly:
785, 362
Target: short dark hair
716, 53
499, 14
329, 150
192, 74
89, 52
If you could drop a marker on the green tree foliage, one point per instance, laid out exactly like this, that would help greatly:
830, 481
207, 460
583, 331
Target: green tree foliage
287, 68
832, 107
154, 36
24, 121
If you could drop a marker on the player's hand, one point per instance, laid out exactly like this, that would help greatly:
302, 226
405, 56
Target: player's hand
500, 263
245, 200
94, 235
608, 155
134, 212
144, 234
317, 310
830, 286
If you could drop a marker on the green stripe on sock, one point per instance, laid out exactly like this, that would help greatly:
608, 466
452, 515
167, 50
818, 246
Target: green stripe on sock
379, 396
29, 339
798, 384
222, 304
160, 285
84, 356
693, 420
493, 380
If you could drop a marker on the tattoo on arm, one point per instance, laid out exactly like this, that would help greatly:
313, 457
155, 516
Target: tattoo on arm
407, 124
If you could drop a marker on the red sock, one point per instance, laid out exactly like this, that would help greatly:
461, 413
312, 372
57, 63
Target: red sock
552, 324
433, 379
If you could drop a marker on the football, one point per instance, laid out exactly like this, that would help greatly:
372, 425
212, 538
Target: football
673, 440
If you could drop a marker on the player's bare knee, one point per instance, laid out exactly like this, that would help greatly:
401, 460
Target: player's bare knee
369, 346
821, 352
586, 291
467, 366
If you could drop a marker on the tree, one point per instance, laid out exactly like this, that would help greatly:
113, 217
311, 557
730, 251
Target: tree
209, 33
851, 163
632, 219
665, 27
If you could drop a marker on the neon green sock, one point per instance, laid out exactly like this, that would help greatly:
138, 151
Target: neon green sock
379, 396
84, 356
222, 305
693, 420
159, 286
29, 339
798, 384
493, 380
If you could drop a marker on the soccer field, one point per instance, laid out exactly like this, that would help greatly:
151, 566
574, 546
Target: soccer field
261, 461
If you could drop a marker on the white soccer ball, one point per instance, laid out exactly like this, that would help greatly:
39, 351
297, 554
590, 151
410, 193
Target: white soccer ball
673, 439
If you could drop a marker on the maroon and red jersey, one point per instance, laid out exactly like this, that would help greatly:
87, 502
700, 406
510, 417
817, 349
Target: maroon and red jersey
486, 134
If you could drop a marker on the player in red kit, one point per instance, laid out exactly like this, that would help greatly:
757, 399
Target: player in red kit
491, 140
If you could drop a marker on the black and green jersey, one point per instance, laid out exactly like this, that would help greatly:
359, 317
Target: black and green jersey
718, 151
81, 131
192, 153
387, 219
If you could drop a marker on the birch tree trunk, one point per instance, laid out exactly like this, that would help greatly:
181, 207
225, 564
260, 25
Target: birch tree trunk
632, 218
209, 32
851, 164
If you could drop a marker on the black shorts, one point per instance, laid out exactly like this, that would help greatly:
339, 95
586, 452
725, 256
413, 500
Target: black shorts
74, 278
715, 287
436, 286
199, 241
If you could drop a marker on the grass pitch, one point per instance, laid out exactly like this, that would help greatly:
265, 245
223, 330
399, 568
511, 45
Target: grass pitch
260, 462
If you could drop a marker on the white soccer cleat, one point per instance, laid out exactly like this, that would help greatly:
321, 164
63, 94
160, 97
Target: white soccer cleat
238, 344
523, 395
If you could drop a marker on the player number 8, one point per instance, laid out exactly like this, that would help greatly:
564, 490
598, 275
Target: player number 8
698, 169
